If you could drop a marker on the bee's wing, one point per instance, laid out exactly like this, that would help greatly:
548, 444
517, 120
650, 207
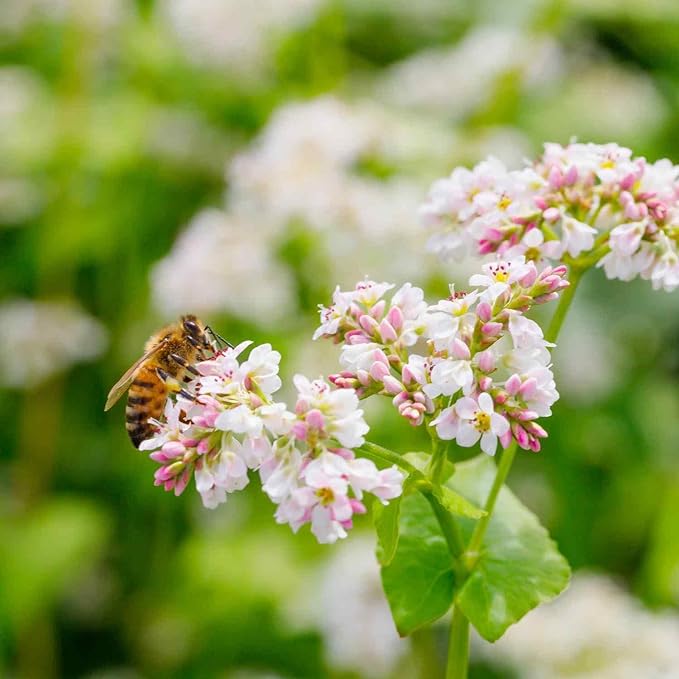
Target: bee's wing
123, 384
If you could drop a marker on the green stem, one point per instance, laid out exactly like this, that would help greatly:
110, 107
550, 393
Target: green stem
449, 527
474, 548
564, 304
374, 452
458, 648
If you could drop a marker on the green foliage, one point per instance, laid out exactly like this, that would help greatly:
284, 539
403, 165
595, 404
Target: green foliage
518, 568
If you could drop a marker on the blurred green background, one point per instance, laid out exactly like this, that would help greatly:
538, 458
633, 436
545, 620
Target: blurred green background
238, 160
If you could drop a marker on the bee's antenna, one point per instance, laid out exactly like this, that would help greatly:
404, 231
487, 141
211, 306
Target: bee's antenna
218, 337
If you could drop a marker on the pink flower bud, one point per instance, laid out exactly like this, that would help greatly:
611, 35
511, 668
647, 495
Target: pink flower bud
377, 310
540, 203
356, 337
299, 430
255, 400
486, 361
419, 397
395, 317
506, 438
159, 456
369, 324
543, 299
551, 214
357, 506
534, 445
392, 385
571, 176
513, 384
363, 377
484, 311
501, 398
530, 277
302, 405
520, 435
491, 329
460, 350
528, 388
401, 398
536, 430
627, 182
387, 331
408, 376
182, 482
173, 449
486, 247
555, 177
379, 370
379, 355
493, 234
525, 415
203, 446
315, 419
633, 211
485, 383
626, 198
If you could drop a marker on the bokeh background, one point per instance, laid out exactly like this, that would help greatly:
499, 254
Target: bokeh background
237, 160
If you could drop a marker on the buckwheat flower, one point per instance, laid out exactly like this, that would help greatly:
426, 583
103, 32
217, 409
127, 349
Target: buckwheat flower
497, 277
577, 236
330, 413
478, 420
221, 472
260, 370
448, 376
171, 428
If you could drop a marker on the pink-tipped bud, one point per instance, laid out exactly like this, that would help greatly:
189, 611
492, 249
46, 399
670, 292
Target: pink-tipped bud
173, 449
392, 385
534, 445
536, 430
633, 211
491, 329
627, 182
379, 370
357, 506
540, 203
513, 384
486, 247
203, 446
395, 317
369, 324
377, 310
159, 456
302, 405
315, 419
387, 331
400, 399
626, 198
299, 430
506, 438
486, 361
526, 415
419, 397
530, 277
408, 376
379, 355
543, 299
571, 176
555, 177
484, 311
460, 350
529, 388
551, 214
520, 435
363, 377
182, 482
485, 383
492, 233
501, 397
356, 337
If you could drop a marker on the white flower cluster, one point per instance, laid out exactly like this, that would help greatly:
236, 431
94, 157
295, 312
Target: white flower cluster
486, 373
595, 630
41, 339
579, 200
231, 424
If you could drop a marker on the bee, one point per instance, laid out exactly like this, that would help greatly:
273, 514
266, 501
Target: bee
168, 358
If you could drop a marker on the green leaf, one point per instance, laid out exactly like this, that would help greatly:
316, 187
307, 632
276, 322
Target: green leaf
519, 567
386, 518
419, 581
421, 461
457, 504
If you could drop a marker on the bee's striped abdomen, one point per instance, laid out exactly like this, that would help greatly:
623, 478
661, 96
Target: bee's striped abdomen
146, 400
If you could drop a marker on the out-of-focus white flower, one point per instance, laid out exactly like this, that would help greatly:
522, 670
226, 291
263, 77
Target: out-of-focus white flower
230, 34
95, 15
221, 263
456, 81
595, 630
41, 339
353, 614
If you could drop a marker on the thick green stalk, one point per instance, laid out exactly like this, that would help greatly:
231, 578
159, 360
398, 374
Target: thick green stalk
458, 646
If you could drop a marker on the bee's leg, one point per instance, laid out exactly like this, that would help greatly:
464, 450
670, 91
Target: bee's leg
174, 385
181, 361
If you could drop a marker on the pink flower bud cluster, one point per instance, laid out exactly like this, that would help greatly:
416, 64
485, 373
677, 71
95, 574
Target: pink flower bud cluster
225, 423
485, 375
573, 201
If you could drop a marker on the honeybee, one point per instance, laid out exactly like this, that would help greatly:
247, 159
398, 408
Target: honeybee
168, 357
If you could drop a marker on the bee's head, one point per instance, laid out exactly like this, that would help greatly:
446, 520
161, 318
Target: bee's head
193, 326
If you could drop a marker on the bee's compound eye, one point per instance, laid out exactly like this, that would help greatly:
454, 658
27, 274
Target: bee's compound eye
192, 328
